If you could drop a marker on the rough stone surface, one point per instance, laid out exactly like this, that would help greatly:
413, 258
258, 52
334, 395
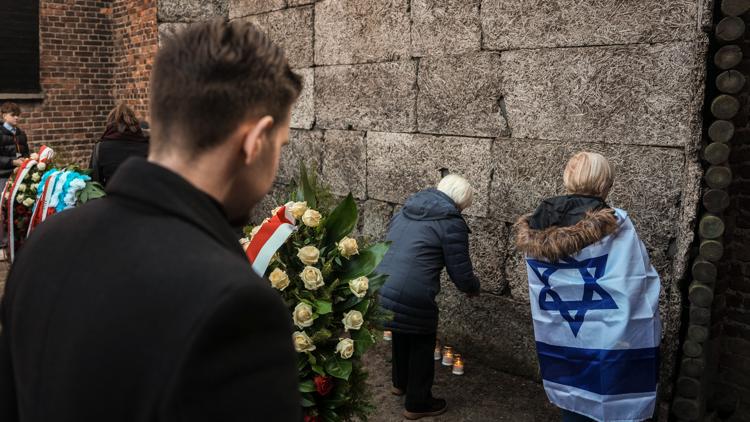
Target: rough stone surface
344, 163
273, 199
378, 96
399, 165
292, 30
488, 245
355, 31
375, 216
496, 330
516, 24
191, 10
241, 8
303, 113
304, 146
442, 27
642, 94
294, 3
459, 95
170, 28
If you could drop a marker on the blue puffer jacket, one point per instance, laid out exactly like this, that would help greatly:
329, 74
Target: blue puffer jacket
427, 235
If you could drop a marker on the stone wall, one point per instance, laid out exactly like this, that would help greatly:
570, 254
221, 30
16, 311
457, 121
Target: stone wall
503, 92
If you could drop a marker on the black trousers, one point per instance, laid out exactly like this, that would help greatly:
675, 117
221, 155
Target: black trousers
414, 368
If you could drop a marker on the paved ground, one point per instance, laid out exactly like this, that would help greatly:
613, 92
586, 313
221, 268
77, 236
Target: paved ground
481, 394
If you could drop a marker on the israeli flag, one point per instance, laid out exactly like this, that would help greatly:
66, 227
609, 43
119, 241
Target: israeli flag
597, 327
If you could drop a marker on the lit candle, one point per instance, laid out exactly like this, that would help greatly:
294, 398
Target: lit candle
438, 355
447, 356
387, 335
458, 365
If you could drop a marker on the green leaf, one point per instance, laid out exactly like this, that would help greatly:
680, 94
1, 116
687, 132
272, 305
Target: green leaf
377, 281
308, 191
307, 386
307, 400
339, 368
349, 303
318, 369
321, 335
366, 262
323, 307
362, 307
342, 220
363, 340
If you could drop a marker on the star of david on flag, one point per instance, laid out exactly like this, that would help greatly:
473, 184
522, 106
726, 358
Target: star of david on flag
574, 311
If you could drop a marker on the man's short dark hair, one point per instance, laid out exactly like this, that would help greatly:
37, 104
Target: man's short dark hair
10, 107
210, 77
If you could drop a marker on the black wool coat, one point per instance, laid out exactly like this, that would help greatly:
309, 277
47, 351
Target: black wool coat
10, 146
427, 235
142, 306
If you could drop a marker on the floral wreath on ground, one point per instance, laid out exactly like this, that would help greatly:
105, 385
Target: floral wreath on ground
328, 281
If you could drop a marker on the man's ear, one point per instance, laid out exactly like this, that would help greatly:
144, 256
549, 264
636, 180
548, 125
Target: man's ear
252, 144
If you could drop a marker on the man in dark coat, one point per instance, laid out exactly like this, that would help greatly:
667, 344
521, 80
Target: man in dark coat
427, 235
142, 306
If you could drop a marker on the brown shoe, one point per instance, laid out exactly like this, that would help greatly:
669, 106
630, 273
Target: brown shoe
397, 391
438, 407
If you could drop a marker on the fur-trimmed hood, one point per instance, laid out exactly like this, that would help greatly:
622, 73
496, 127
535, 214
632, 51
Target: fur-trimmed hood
559, 241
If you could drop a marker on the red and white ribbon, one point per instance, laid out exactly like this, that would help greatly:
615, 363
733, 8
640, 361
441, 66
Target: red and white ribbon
271, 236
42, 208
22, 172
45, 154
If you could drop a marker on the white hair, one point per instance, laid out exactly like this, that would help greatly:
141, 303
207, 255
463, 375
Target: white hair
458, 189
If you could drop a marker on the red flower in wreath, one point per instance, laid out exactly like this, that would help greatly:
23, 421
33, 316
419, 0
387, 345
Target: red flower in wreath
324, 385
311, 418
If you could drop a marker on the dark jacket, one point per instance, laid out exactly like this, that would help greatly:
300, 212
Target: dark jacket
427, 235
11, 145
142, 306
113, 149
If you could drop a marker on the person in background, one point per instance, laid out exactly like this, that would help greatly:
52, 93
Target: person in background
594, 300
427, 235
123, 138
142, 306
14, 147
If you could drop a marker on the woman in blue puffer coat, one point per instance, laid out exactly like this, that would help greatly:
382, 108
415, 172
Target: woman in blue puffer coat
427, 235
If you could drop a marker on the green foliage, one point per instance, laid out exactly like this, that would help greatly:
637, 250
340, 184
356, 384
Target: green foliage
93, 190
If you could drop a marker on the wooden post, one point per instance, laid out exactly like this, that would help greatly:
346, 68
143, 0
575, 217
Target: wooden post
688, 387
716, 153
685, 408
718, 177
721, 131
699, 315
730, 82
692, 349
716, 200
711, 227
728, 57
700, 294
730, 28
693, 367
725, 107
698, 333
712, 250
735, 7
704, 271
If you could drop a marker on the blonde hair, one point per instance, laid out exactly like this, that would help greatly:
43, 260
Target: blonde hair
458, 189
588, 173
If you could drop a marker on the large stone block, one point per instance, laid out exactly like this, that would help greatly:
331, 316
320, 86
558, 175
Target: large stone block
303, 113
292, 30
379, 96
344, 163
399, 165
355, 31
273, 199
488, 247
191, 10
642, 94
459, 95
494, 330
305, 146
241, 8
375, 216
518, 24
442, 27
295, 3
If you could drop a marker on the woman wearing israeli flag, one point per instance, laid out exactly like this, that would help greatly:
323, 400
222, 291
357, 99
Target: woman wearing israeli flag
594, 300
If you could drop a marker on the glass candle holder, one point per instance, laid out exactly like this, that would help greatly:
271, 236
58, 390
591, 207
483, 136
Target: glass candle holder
438, 353
447, 356
387, 335
458, 365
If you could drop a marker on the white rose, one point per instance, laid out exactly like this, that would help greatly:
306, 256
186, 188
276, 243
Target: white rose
298, 209
279, 279
302, 342
348, 247
359, 286
302, 315
352, 320
312, 277
20, 198
345, 348
34, 156
22, 187
35, 177
311, 218
308, 255
28, 202
41, 166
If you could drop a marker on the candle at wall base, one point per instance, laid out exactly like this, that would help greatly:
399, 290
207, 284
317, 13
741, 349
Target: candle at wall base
387, 335
458, 365
438, 354
447, 356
